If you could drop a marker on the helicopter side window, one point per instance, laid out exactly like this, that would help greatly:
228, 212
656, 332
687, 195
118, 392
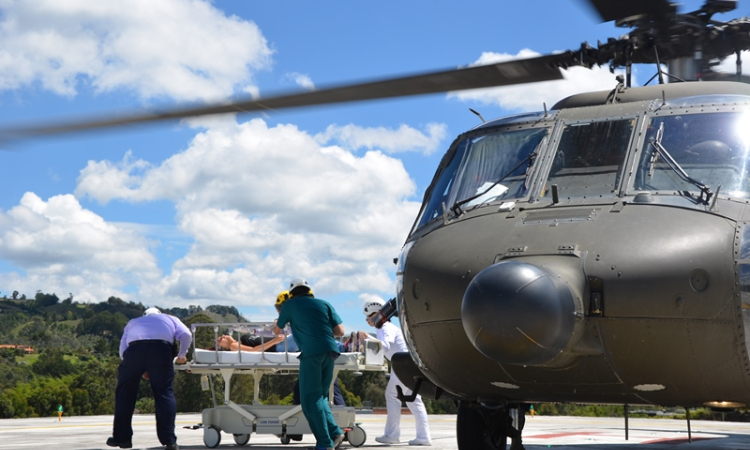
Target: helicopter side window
711, 148
485, 169
589, 159
495, 167
440, 188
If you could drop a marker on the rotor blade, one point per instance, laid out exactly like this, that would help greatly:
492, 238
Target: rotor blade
720, 76
620, 9
532, 70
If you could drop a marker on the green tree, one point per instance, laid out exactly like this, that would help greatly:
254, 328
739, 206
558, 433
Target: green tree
370, 386
6, 407
204, 336
52, 362
225, 311
349, 397
190, 395
81, 402
104, 323
18, 399
188, 387
98, 379
43, 300
145, 405
47, 393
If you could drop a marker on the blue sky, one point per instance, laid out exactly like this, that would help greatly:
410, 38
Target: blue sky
227, 210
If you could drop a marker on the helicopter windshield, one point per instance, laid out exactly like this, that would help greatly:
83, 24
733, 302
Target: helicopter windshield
489, 167
589, 160
713, 148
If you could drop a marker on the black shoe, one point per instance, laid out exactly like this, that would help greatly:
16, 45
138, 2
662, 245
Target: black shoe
122, 444
173, 447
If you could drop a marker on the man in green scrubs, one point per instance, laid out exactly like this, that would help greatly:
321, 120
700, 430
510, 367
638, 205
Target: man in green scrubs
315, 324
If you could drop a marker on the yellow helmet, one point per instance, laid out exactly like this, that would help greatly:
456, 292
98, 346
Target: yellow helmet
284, 296
281, 298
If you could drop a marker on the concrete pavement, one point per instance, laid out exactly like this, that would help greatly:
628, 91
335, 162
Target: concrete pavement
542, 432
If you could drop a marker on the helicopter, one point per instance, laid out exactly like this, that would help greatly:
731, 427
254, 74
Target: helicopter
594, 252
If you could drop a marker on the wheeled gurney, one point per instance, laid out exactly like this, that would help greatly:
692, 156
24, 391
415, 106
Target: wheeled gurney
284, 421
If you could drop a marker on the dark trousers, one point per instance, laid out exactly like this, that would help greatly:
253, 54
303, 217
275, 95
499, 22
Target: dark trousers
154, 357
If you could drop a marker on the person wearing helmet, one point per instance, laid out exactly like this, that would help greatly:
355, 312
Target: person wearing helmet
281, 298
146, 351
393, 342
291, 346
315, 324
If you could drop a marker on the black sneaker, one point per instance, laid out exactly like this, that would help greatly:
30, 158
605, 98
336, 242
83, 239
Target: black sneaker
122, 444
172, 447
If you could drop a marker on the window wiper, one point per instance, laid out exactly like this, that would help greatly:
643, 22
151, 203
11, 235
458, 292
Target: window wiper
456, 208
531, 158
656, 143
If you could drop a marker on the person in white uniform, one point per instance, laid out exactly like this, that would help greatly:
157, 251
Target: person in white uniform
393, 342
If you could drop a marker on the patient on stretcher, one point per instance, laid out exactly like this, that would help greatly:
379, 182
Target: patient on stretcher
250, 343
253, 343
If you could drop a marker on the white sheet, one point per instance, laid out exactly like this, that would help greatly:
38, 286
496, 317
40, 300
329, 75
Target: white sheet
258, 358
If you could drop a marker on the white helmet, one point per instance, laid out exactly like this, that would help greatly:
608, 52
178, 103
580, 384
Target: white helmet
373, 306
297, 282
152, 310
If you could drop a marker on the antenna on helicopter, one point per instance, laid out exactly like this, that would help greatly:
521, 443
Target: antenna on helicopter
658, 66
739, 64
479, 115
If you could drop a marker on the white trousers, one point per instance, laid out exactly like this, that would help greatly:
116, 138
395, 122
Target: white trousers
393, 406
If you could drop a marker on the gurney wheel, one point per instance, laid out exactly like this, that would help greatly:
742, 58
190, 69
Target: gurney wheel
241, 439
211, 437
356, 436
286, 440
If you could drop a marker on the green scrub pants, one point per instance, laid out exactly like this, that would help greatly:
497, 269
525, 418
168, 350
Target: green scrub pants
315, 377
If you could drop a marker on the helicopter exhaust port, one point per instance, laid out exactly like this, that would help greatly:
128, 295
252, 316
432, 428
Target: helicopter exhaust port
516, 312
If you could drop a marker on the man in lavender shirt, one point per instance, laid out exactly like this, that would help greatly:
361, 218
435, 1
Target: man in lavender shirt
146, 351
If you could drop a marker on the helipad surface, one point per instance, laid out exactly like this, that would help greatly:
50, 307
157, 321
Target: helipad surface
560, 433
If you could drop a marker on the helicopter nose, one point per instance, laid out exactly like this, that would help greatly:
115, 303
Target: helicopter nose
518, 313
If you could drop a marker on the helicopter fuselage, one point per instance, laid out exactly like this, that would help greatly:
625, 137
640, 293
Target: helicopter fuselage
598, 253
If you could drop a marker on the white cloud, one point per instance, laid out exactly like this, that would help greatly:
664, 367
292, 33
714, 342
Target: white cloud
186, 50
63, 248
112, 180
301, 80
531, 97
264, 204
729, 64
403, 139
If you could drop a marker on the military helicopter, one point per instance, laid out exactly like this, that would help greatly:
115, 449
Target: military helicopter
595, 252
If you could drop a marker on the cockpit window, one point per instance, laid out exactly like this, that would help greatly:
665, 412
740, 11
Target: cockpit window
710, 148
485, 169
589, 160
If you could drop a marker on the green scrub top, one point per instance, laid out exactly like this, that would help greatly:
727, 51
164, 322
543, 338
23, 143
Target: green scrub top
312, 321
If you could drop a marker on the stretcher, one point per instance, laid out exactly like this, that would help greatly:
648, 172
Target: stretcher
285, 421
